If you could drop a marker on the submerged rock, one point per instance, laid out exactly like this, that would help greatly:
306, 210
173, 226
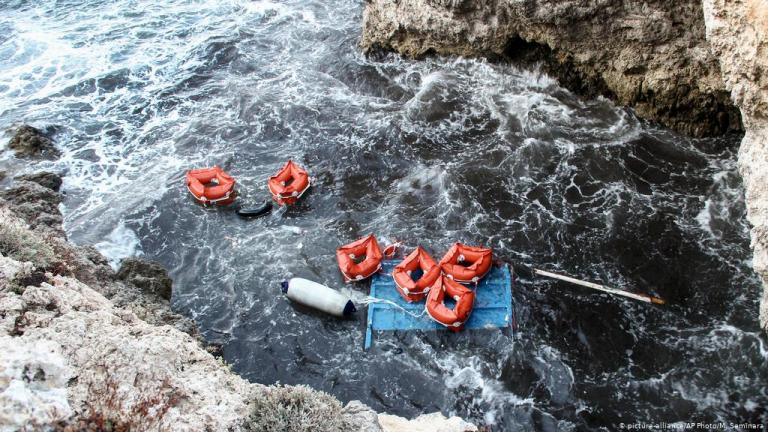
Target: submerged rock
28, 141
148, 275
650, 55
738, 33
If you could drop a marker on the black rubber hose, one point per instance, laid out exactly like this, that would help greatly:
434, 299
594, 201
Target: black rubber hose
261, 210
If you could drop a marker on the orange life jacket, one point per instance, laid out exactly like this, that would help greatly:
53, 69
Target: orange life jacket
466, 263
410, 290
349, 257
289, 184
211, 185
454, 318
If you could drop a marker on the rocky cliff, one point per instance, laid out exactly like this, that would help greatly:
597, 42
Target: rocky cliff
650, 55
87, 348
738, 34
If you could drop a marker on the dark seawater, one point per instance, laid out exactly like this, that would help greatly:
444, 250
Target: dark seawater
428, 152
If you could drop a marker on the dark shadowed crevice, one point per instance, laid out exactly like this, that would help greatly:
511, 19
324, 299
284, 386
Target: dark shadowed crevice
560, 66
689, 112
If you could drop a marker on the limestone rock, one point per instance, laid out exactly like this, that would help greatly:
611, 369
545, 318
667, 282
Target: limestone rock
28, 141
33, 384
17, 241
434, 422
738, 33
361, 418
121, 366
46, 179
10, 270
150, 276
650, 55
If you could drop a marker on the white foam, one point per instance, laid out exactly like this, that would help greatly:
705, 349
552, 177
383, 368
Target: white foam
705, 217
467, 373
292, 229
120, 243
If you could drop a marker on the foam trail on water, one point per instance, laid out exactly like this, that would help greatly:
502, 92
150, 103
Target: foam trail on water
121, 243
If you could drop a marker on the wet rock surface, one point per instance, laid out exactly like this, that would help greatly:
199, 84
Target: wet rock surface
651, 56
28, 141
46, 179
150, 276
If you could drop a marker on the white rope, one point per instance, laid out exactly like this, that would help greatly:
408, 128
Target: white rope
369, 300
348, 279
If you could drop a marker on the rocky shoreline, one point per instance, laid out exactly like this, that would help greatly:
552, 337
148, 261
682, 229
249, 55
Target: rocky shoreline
89, 348
696, 67
652, 56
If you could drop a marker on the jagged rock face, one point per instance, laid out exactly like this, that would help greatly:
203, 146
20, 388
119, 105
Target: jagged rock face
28, 141
37, 204
33, 384
738, 33
651, 55
150, 276
45, 179
117, 366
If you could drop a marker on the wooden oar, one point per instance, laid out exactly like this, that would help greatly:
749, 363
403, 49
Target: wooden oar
641, 297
